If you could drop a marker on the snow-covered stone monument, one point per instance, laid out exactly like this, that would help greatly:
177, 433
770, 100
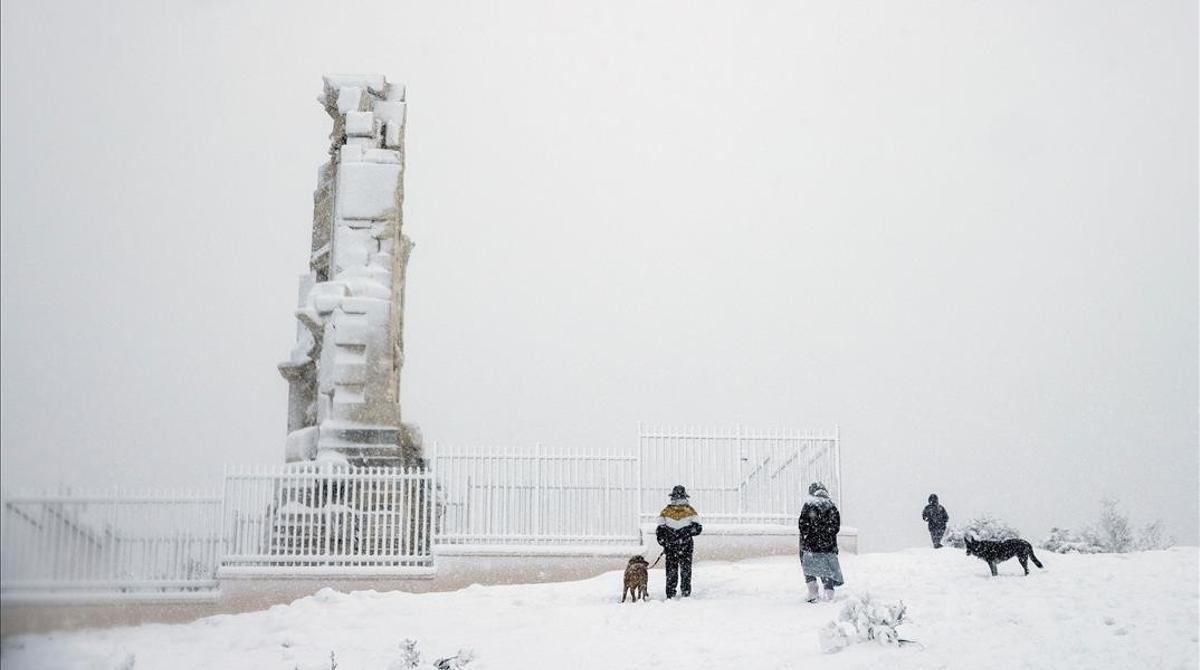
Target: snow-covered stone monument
344, 372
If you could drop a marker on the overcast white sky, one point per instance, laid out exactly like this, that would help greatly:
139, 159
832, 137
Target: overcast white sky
964, 231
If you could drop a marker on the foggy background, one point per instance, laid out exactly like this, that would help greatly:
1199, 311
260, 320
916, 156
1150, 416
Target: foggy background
966, 232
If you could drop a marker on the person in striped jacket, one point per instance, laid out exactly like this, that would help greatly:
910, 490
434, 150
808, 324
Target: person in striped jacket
678, 523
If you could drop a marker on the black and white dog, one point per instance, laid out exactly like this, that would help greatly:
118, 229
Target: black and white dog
997, 551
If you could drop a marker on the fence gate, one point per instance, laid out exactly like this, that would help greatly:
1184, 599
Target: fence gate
536, 496
305, 518
737, 475
110, 544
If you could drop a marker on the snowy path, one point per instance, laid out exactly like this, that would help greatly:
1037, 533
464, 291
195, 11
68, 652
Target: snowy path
1107, 611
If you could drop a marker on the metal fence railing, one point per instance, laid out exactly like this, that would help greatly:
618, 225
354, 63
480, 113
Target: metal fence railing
539, 495
535, 496
737, 475
112, 542
304, 516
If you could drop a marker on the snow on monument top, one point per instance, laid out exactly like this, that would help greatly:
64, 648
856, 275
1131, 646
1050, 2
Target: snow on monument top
349, 92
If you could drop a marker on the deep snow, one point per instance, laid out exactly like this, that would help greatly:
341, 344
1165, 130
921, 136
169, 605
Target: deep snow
1096, 611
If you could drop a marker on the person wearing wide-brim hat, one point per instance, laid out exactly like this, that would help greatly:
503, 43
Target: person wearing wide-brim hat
678, 523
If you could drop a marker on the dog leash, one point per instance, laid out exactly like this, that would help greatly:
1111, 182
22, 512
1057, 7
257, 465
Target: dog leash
660, 555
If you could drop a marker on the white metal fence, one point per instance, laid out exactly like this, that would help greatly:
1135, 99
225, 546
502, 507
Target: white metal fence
549, 496
737, 475
302, 516
535, 496
115, 542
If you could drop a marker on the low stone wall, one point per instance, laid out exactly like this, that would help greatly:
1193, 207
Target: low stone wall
458, 566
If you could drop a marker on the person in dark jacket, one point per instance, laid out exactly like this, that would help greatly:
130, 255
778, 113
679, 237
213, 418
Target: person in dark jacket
819, 524
678, 523
935, 517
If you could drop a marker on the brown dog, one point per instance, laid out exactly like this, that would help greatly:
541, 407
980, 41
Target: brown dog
636, 578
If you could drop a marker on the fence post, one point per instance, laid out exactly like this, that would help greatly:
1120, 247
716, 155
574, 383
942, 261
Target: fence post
431, 511
641, 450
537, 489
5, 523
737, 461
223, 543
327, 485
837, 451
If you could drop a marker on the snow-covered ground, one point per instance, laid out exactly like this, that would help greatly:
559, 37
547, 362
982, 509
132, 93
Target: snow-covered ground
1100, 611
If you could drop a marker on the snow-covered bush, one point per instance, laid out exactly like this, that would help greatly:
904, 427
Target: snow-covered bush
1113, 530
410, 658
1154, 536
1064, 541
982, 527
1112, 534
863, 619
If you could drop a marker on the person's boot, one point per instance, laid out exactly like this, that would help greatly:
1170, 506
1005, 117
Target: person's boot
829, 594
812, 592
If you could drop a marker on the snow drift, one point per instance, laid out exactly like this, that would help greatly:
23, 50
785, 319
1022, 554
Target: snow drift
1134, 610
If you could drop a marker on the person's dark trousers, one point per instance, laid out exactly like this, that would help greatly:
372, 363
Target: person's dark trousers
679, 571
935, 534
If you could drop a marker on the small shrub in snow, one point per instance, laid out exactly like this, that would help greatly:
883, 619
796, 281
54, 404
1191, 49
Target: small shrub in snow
455, 662
982, 527
863, 619
409, 657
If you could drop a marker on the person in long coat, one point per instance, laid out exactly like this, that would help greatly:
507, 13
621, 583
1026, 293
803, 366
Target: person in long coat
819, 524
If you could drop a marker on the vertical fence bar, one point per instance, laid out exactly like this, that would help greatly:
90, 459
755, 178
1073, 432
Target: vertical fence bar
837, 456
536, 525
412, 517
